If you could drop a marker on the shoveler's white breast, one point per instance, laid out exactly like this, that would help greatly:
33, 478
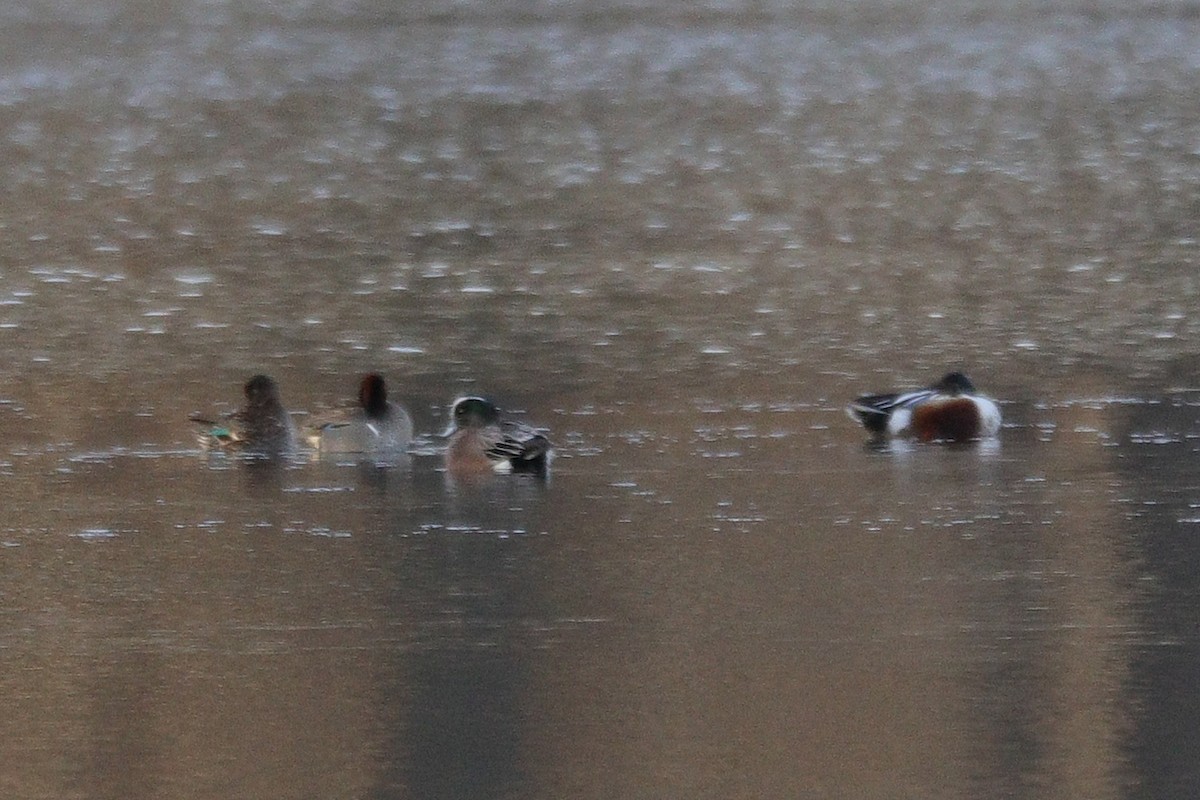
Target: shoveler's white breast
989, 416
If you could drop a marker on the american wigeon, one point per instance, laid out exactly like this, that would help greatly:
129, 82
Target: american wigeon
480, 439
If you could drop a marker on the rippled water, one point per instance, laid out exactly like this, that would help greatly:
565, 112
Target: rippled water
680, 236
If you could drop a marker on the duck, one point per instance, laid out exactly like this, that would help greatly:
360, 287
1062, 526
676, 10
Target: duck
481, 439
261, 427
950, 410
375, 425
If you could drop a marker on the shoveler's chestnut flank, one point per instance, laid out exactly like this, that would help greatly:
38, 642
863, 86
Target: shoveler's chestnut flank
376, 425
480, 440
950, 410
261, 427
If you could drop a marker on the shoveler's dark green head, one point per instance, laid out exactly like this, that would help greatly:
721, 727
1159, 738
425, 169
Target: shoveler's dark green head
955, 383
474, 412
372, 394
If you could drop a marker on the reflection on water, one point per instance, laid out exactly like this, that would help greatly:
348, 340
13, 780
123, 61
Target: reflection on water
681, 237
1163, 439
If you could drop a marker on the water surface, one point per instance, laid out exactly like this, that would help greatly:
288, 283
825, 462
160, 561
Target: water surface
681, 238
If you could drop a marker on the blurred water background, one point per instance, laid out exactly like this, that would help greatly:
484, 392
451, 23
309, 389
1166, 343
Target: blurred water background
681, 236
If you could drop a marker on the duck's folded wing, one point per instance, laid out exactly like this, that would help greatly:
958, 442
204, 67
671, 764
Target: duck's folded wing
874, 410
887, 403
519, 442
219, 432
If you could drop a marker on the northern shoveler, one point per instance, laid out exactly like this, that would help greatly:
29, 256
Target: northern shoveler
261, 427
375, 425
949, 410
481, 440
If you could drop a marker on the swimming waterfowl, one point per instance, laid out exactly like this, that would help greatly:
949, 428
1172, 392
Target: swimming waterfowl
375, 425
261, 427
480, 439
949, 410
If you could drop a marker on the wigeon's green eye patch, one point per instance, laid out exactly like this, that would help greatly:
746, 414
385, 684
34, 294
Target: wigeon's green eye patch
475, 411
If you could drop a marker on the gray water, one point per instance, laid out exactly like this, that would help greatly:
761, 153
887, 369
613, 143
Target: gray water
681, 237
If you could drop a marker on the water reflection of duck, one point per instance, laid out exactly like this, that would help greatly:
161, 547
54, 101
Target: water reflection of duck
261, 427
949, 410
375, 425
481, 440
